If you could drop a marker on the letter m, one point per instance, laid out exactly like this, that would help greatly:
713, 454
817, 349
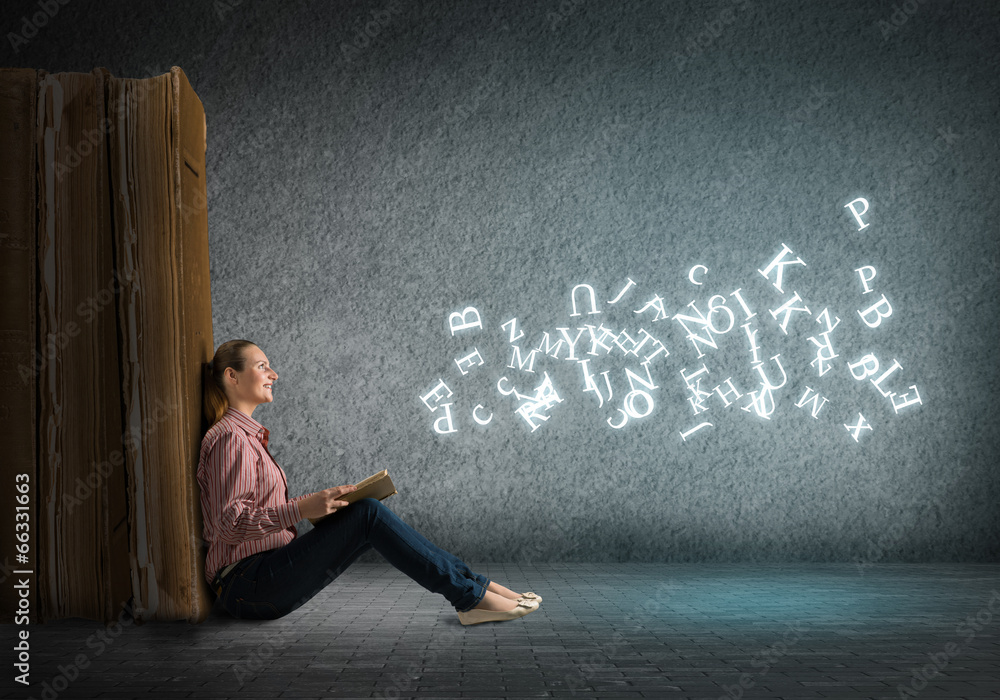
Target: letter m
515, 357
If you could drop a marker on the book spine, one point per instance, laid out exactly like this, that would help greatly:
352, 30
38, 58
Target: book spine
18, 343
161, 240
80, 409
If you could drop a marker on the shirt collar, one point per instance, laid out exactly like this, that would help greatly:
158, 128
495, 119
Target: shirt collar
248, 424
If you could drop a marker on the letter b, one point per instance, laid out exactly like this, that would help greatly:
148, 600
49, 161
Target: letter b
876, 308
458, 321
868, 365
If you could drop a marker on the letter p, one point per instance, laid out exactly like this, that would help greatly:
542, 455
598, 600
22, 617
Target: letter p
857, 214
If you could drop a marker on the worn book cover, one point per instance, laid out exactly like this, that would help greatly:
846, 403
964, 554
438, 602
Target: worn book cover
378, 486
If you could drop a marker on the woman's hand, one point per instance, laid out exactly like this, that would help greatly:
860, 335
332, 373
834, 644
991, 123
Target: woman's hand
321, 503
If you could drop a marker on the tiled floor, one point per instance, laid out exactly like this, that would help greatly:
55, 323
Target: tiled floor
603, 631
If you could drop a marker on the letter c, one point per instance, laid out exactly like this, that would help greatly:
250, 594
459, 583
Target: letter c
691, 274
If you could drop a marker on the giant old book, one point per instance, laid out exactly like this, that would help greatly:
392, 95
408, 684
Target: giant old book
105, 319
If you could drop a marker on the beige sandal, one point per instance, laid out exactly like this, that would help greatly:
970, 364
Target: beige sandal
474, 617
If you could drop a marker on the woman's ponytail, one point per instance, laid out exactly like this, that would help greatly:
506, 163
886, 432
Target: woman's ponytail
215, 403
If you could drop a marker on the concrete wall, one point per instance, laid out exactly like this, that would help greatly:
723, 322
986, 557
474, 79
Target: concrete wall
375, 167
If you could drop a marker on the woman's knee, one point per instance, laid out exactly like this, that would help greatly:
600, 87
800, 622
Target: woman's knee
367, 504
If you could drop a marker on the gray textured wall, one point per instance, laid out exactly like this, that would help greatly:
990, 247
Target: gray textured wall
374, 167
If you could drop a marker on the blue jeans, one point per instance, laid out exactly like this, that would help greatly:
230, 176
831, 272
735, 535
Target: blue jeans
273, 583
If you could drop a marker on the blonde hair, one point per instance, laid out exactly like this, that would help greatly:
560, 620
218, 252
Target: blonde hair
215, 403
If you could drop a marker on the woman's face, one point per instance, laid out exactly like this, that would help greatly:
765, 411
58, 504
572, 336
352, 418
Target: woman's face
254, 385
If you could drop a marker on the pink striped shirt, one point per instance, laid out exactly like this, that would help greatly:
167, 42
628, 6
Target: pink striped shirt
244, 493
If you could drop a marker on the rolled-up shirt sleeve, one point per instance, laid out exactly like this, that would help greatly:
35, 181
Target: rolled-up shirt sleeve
231, 482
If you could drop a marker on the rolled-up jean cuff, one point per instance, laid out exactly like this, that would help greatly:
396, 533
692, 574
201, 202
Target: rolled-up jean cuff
483, 583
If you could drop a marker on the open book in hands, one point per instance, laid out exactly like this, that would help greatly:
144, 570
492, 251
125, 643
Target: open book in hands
378, 486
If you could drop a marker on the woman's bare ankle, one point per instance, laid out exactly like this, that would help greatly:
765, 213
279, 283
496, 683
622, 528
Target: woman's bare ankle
495, 601
495, 587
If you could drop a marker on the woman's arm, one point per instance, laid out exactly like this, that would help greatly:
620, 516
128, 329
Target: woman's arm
232, 504
324, 502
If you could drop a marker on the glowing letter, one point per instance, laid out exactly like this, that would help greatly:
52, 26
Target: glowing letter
866, 280
857, 214
713, 307
816, 405
629, 403
593, 299
512, 390
436, 395
868, 364
656, 304
622, 292
746, 309
475, 416
515, 356
590, 385
624, 420
513, 329
895, 365
694, 430
701, 320
533, 408
903, 403
547, 348
648, 382
623, 339
465, 324
752, 337
698, 396
762, 401
598, 341
787, 308
571, 343
660, 347
468, 359
447, 418
691, 274
725, 394
862, 425
763, 377
780, 263
878, 314
825, 353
